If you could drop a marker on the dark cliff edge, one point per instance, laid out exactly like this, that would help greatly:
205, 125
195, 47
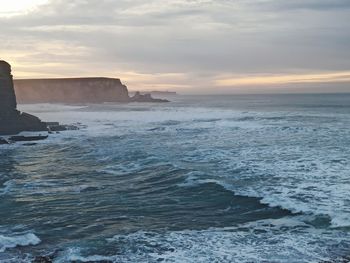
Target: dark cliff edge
75, 90
13, 121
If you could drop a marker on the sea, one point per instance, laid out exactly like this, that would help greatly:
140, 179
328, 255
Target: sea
224, 178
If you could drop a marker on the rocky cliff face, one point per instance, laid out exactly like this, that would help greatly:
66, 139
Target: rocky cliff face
11, 120
7, 94
71, 90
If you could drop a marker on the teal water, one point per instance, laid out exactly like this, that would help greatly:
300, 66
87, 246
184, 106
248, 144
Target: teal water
247, 178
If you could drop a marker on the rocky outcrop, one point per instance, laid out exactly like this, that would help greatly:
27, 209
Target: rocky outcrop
13, 121
3, 141
71, 90
157, 93
163, 93
7, 94
138, 97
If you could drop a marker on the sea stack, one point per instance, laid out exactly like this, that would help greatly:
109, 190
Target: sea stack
138, 97
13, 121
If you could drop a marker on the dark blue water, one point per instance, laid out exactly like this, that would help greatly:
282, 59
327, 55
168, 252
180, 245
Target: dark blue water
246, 178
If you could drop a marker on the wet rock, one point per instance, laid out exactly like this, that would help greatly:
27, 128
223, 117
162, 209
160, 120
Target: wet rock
30, 144
43, 259
56, 127
50, 259
27, 138
3, 141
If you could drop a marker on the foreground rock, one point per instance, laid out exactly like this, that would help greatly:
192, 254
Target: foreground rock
20, 138
13, 121
3, 141
51, 259
57, 127
138, 97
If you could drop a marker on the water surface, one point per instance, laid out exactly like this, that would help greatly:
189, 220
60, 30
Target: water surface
246, 178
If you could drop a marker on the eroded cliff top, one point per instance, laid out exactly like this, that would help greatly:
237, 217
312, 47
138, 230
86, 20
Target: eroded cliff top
5, 69
68, 79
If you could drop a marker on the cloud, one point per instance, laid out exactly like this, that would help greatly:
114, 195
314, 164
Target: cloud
325, 5
197, 39
325, 77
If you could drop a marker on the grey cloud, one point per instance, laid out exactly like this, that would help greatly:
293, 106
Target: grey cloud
197, 37
305, 4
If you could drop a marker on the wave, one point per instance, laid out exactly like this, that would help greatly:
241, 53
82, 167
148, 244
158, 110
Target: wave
12, 241
74, 255
308, 198
174, 164
271, 240
264, 241
8, 185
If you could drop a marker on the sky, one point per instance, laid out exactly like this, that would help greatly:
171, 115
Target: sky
188, 46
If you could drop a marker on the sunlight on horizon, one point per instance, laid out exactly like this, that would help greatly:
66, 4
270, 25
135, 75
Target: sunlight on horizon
273, 79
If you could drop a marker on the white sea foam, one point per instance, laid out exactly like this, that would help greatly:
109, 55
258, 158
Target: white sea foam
48, 107
54, 187
12, 241
277, 154
8, 185
263, 241
288, 160
74, 255
271, 240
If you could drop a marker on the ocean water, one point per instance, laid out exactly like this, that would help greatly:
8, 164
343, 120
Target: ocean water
245, 178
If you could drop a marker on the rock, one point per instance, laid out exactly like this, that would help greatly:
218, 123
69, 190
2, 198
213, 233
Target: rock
56, 127
27, 138
51, 259
43, 259
7, 93
13, 121
138, 97
3, 141
29, 144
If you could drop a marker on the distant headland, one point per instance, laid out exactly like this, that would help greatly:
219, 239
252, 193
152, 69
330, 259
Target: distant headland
66, 90
76, 90
157, 93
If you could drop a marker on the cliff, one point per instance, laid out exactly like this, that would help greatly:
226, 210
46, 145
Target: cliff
7, 94
71, 90
13, 121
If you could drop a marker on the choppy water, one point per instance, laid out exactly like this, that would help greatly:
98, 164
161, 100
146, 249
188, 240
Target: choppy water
202, 179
